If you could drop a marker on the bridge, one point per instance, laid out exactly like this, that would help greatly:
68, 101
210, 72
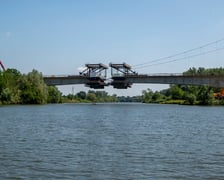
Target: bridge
122, 77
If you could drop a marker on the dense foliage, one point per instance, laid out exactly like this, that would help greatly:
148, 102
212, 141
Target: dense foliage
17, 88
187, 94
90, 96
99, 96
204, 71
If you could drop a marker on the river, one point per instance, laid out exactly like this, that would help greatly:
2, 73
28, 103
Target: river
111, 141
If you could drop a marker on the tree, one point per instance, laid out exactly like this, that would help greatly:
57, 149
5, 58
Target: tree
205, 96
176, 92
157, 97
30, 88
54, 95
201, 71
147, 96
9, 86
81, 95
191, 71
34, 90
91, 97
190, 98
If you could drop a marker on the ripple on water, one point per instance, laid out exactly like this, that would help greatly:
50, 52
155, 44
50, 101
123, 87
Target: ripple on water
111, 141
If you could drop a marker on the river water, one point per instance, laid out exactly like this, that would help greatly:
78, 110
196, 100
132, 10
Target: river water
111, 141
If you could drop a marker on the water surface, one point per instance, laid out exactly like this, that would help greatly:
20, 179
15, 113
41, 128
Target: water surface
111, 141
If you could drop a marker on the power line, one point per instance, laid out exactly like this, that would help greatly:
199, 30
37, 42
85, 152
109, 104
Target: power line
153, 62
182, 58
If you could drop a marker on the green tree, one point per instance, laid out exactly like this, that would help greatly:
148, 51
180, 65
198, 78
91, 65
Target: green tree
191, 71
157, 97
176, 92
190, 98
54, 95
9, 86
81, 95
34, 90
91, 97
205, 96
147, 96
71, 96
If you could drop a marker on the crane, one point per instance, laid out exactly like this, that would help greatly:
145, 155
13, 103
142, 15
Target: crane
2, 66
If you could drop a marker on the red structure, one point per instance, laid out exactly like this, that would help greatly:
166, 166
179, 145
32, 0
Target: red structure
2, 66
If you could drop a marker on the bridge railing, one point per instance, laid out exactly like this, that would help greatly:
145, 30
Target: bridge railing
157, 74
131, 75
60, 75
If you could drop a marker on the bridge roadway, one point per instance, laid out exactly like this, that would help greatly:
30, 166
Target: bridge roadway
211, 80
65, 80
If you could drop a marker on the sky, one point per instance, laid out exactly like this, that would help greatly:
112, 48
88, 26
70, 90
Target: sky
59, 36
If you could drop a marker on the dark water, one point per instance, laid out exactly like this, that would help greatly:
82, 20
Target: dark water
111, 141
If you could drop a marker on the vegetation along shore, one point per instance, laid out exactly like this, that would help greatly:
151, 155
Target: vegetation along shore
30, 88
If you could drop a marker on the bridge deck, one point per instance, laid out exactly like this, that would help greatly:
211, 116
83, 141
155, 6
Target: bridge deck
65, 80
214, 81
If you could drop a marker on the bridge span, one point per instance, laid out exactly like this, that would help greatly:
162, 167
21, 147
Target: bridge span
122, 77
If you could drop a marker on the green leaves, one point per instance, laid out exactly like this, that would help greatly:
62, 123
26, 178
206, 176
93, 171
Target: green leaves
54, 95
17, 88
34, 90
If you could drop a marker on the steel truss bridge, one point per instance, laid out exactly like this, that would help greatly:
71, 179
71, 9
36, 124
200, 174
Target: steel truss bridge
122, 77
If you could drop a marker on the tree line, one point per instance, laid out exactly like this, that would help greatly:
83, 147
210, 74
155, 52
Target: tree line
188, 94
30, 88
99, 97
18, 88
204, 71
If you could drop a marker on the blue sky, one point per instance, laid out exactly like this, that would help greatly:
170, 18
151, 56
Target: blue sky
58, 36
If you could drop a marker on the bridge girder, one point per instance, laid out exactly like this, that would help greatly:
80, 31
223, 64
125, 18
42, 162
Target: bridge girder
124, 82
94, 76
213, 81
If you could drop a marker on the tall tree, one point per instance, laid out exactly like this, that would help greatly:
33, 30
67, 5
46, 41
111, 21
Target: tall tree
54, 95
205, 96
34, 90
9, 86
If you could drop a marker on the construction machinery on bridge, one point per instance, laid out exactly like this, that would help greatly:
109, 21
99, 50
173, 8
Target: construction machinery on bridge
96, 75
122, 77
119, 73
